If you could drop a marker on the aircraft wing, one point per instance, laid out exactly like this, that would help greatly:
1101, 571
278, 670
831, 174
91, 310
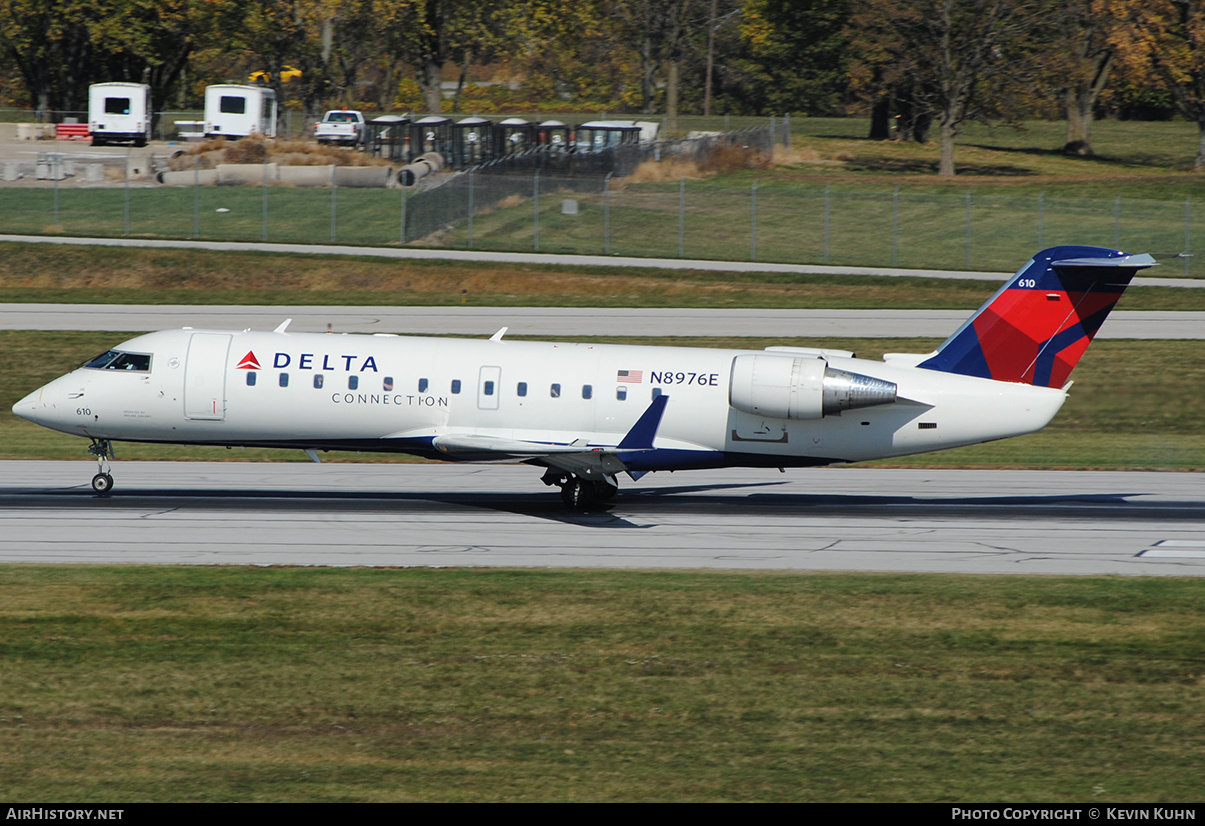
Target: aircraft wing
578, 457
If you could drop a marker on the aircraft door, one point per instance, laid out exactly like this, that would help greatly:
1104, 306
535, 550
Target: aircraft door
489, 388
205, 376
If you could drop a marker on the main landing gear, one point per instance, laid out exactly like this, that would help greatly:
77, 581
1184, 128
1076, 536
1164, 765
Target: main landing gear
580, 494
102, 449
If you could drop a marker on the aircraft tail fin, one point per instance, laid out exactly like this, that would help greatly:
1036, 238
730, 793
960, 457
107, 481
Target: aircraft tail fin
1036, 327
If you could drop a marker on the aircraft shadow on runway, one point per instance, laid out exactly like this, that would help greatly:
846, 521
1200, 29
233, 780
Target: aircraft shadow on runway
642, 505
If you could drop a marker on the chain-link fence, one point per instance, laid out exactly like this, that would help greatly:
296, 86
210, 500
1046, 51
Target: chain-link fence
761, 220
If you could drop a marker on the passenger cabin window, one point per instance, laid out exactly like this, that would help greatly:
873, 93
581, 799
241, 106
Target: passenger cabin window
250, 378
387, 385
587, 391
521, 388
621, 393
353, 382
318, 379
284, 379
488, 388
555, 391
117, 360
656, 392
455, 386
422, 385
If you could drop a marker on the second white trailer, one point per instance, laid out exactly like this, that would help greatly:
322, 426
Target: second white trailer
235, 111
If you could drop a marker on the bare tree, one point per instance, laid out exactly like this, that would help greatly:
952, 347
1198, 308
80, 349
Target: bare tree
960, 59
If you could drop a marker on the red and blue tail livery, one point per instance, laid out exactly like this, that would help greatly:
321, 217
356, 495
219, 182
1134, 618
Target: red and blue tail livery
1034, 330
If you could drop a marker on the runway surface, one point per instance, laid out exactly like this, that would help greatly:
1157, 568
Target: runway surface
1019, 522
560, 260
556, 321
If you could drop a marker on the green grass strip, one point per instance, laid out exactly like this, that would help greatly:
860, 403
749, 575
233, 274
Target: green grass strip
221, 684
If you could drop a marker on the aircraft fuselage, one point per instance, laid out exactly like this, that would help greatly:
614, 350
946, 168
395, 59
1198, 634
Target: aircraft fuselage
426, 396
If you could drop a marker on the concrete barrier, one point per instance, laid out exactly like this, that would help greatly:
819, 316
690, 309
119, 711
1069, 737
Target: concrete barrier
306, 175
238, 174
364, 176
28, 131
188, 177
252, 174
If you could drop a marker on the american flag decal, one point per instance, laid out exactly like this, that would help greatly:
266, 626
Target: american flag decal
629, 376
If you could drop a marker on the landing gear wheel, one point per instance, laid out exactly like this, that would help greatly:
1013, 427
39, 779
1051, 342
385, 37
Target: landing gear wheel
578, 494
102, 449
582, 494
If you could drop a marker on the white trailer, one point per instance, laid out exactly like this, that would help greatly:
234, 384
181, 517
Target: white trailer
236, 111
119, 113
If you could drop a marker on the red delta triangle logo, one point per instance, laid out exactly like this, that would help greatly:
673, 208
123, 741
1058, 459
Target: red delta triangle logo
249, 362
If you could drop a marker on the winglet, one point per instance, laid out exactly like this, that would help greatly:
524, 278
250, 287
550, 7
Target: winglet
641, 436
284, 325
498, 335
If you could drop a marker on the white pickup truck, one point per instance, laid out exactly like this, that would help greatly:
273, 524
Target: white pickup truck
345, 126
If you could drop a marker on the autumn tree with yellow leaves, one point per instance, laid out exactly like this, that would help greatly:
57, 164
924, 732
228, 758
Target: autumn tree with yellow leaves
1162, 42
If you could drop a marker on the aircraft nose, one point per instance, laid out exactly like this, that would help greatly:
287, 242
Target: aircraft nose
29, 406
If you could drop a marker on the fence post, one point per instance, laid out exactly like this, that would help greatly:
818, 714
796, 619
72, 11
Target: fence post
196, 195
55, 174
470, 209
682, 218
127, 194
827, 187
1187, 234
786, 130
1041, 219
334, 190
772, 135
535, 200
1117, 223
403, 221
607, 214
753, 223
895, 227
264, 198
968, 232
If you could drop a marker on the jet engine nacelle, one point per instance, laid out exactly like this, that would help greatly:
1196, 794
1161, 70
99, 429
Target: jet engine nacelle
801, 388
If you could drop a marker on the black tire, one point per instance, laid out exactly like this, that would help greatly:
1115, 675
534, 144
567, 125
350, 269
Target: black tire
102, 483
578, 495
604, 491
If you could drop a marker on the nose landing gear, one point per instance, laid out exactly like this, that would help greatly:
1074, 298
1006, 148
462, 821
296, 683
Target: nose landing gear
102, 449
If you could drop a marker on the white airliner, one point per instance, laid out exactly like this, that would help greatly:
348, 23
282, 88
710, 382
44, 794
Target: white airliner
588, 413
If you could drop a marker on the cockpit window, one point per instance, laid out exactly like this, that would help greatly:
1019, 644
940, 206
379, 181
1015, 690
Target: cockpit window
118, 360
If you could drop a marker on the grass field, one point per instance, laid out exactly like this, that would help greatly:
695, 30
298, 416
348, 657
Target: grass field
220, 684
51, 273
